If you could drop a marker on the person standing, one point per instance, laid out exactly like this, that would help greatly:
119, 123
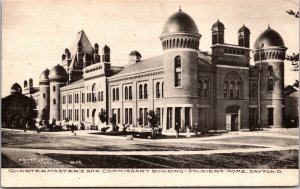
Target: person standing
177, 129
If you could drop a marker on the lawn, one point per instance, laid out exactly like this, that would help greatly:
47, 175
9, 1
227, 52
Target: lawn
94, 143
260, 140
258, 160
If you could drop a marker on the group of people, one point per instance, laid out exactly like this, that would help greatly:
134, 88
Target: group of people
177, 129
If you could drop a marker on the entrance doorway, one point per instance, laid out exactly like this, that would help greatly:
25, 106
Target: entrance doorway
233, 117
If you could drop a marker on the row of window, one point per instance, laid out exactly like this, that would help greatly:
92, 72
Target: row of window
232, 89
203, 89
69, 114
143, 91
90, 97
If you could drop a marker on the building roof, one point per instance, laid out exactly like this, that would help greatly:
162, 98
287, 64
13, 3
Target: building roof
86, 45
180, 22
139, 67
76, 84
135, 53
16, 88
218, 24
45, 74
244, 29
267, 38
58, 70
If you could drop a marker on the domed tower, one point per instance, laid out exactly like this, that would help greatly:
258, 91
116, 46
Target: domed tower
44, 96
106, 54
58, 78
269, 54
180, 41
218, 33
16, 89
244, 37
134, 57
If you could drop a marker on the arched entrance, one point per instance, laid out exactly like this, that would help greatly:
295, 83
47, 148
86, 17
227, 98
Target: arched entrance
233, 118
93, 116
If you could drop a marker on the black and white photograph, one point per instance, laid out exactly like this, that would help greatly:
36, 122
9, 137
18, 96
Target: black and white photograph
136, 93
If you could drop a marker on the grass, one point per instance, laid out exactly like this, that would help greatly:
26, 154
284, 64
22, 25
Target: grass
257, 160
94, 143
8, 163
261, 140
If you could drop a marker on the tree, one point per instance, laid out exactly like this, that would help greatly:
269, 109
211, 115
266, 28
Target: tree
102, 116
295, 61
153, 119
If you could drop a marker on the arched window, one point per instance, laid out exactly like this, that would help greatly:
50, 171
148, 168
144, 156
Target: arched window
145, 91
238, 89
54, 101
157, 90
206, 89
200, 88
225, 89
162, 89
130, 93
231, 87
126, 93
54, 89
141, 92
114, 94
44, 95
177, 71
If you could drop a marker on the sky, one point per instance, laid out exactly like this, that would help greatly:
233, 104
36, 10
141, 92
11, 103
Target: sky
35, 33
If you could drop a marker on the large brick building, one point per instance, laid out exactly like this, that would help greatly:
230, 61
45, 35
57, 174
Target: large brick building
219, 91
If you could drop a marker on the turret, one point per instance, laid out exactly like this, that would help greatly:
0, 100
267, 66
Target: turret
269, 53
58, 78
16, 89
106, 54
44, 96
218, 33
96, 53
244, 37
134, 57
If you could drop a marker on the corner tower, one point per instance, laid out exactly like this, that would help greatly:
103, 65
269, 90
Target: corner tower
44, 96
180, 42
269, 53
58, 78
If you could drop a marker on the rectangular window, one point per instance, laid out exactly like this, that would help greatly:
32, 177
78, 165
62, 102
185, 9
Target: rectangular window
130, 115
141, 116
126, 115
270, 116
158, 113
177, 79
64, 99
82, 115
169, 118
44, 95
145, 116
54, 89
64, 114
70, 99
119, 115
252, 117
101, 95
270, 85
82, 97
70, 114
87, 113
